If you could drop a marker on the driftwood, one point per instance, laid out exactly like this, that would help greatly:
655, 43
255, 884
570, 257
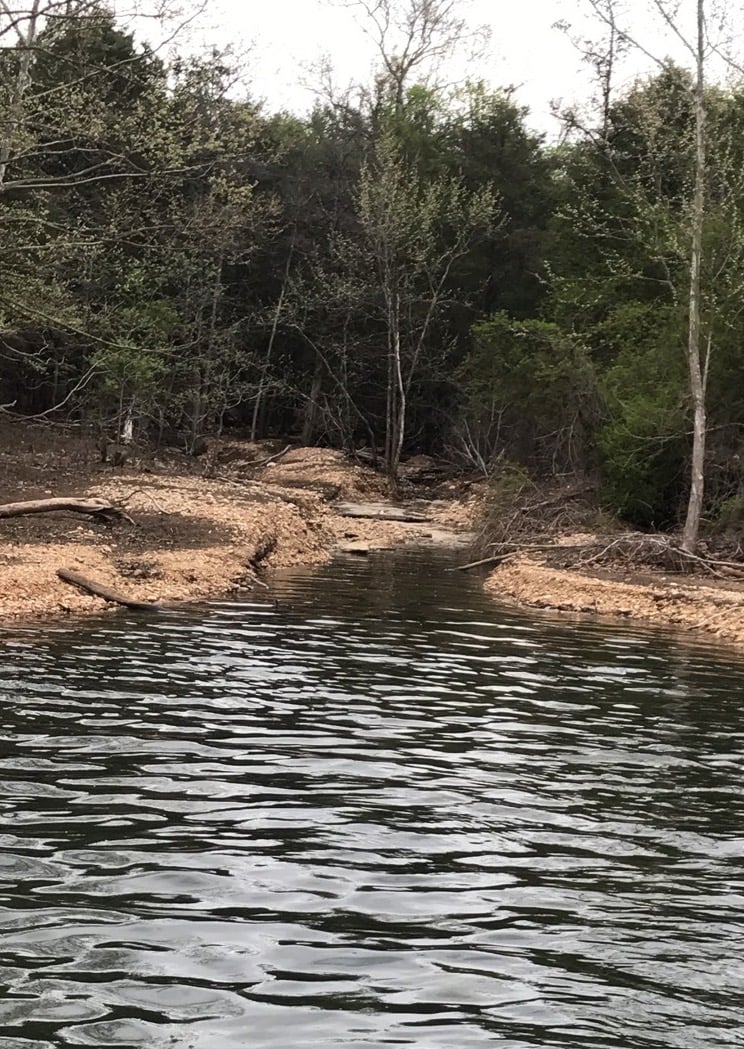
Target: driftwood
374, 511
98, 590
496, 559
94, 507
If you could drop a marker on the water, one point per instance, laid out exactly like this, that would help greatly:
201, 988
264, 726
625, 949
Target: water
383, 812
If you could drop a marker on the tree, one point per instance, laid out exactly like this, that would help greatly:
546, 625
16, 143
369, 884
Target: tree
131, 197
530, 397
80, 97
412, 233
414, 38
698, 372
697, 48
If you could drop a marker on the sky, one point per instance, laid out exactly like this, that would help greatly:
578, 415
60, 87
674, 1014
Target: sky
280, 41
289, 36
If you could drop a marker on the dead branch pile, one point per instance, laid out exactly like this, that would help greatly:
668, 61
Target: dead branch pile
529, 512
562, 526
624, 551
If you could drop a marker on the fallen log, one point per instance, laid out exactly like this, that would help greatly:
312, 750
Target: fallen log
378, 512
94, 507
98, 590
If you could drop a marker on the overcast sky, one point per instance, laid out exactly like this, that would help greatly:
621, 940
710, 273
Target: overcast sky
526, 51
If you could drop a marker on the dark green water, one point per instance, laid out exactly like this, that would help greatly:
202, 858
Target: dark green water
383, 813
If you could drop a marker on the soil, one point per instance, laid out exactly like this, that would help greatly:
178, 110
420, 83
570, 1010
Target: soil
198, 528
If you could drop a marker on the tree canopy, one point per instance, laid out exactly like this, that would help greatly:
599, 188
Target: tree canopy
407, 268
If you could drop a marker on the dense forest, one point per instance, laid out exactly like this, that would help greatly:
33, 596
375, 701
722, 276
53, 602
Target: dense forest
406, 269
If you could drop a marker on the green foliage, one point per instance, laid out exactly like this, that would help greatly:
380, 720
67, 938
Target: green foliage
129, 371
410, 269
643, 443
484, 139
538, 383
730, 515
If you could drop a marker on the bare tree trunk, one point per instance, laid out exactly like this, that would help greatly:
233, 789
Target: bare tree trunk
311, 408
90, 586
400, 415
697, 379
389, 397
15, 109
95, 507
260, 393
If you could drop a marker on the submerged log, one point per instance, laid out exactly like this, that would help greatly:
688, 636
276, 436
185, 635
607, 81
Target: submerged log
98, 590
94, 507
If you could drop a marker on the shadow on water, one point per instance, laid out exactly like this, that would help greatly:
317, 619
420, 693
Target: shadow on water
372, 809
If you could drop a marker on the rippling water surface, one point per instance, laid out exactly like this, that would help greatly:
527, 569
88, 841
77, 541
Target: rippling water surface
380, 812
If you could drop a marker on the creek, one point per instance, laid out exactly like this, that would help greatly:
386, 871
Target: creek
373, 808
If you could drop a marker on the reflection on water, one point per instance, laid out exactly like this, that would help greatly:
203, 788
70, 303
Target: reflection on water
378, 811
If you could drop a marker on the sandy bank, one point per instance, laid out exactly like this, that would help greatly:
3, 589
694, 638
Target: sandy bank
712, 607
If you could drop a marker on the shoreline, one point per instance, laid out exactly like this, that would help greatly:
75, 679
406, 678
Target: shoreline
698, 609
201, 530
194, 537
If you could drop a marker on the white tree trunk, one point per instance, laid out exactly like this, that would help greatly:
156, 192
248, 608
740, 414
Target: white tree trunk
697, 379
23, 78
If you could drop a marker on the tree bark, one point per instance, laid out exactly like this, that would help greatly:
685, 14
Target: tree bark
400, 418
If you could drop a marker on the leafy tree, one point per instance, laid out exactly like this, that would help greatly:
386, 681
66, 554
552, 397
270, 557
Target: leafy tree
484, 141
530, 396
698, 48
643, 440
411, 233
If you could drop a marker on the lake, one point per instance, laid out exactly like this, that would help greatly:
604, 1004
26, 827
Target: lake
369, 808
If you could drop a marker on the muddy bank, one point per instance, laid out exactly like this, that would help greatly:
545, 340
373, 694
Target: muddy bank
708, 607
197, 529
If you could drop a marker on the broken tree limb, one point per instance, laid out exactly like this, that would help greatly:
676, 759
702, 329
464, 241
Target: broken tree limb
94, 507
148, 495
271, 458
496, 559
518, 548
98, 590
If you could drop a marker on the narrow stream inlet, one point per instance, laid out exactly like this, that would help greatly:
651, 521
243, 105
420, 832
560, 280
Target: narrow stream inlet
374, 809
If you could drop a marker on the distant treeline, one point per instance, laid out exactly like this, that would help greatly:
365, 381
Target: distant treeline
407, 269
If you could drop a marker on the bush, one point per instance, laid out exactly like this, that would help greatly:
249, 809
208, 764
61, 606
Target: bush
643, 445
529, 393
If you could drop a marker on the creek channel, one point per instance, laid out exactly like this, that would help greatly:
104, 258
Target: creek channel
373, 808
